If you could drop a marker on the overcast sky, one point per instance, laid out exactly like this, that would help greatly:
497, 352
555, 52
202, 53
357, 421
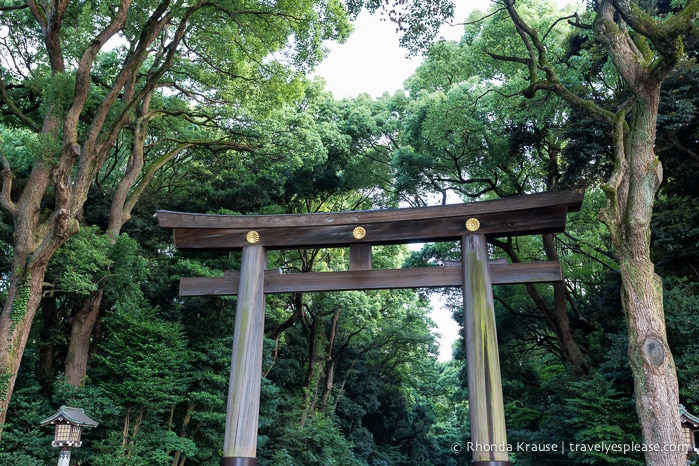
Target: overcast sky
371, 60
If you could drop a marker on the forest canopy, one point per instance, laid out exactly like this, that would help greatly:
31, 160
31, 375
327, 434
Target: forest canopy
110, 111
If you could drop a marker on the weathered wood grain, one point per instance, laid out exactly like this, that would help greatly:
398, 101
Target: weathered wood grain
486, 407
242, 412
422, 277
548, 219
360, 256
571, 200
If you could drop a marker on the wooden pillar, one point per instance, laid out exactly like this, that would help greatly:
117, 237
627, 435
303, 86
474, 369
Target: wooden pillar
240, 441
360, 256
487, 412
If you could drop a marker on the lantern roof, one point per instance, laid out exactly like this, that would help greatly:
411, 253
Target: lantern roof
75, 416
687, 418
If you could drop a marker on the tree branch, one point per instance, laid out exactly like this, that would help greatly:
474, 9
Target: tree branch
495, 56
482, 18
149, 175
94, 154
671, 137
575, 15
579, 24
84, 71
38, 14
538, 60
5, 97
664, 34
5, 195
13, 7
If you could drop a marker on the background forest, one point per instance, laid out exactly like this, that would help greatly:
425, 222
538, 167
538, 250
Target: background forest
206, 107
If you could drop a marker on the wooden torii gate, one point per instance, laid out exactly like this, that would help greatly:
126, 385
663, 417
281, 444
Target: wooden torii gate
470, 223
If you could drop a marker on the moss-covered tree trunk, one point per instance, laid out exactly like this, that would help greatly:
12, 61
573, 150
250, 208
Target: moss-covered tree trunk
631, 193
61, 174
79, 129
19, 309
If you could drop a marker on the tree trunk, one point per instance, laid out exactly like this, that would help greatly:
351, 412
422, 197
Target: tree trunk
311, 381
341, 390
130, 430
631, 193
23, 299
183, 432
330, 363
46, 370
125, 431
569, 348
643, 50
313, 342
67, 168
84, 320
125, 197
556, 315
81, 325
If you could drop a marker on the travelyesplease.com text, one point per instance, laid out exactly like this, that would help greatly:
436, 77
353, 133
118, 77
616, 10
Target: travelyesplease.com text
564, 447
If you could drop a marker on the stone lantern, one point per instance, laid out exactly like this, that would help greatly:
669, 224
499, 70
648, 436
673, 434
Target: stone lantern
690, 425
69, 424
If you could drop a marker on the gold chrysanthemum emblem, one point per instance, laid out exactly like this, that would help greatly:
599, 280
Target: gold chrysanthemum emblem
252, 237
472, 224
358, 233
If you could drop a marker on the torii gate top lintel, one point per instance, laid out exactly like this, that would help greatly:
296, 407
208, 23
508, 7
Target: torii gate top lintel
513, 216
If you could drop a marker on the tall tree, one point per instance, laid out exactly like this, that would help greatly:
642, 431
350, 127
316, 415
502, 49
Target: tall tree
643, 51
127, 174
55, 83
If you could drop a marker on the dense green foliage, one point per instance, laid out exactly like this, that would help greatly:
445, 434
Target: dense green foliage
353, 378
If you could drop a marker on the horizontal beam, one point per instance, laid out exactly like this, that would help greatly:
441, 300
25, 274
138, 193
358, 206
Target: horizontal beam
422, 277
571, 200
550, 219
523, 215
